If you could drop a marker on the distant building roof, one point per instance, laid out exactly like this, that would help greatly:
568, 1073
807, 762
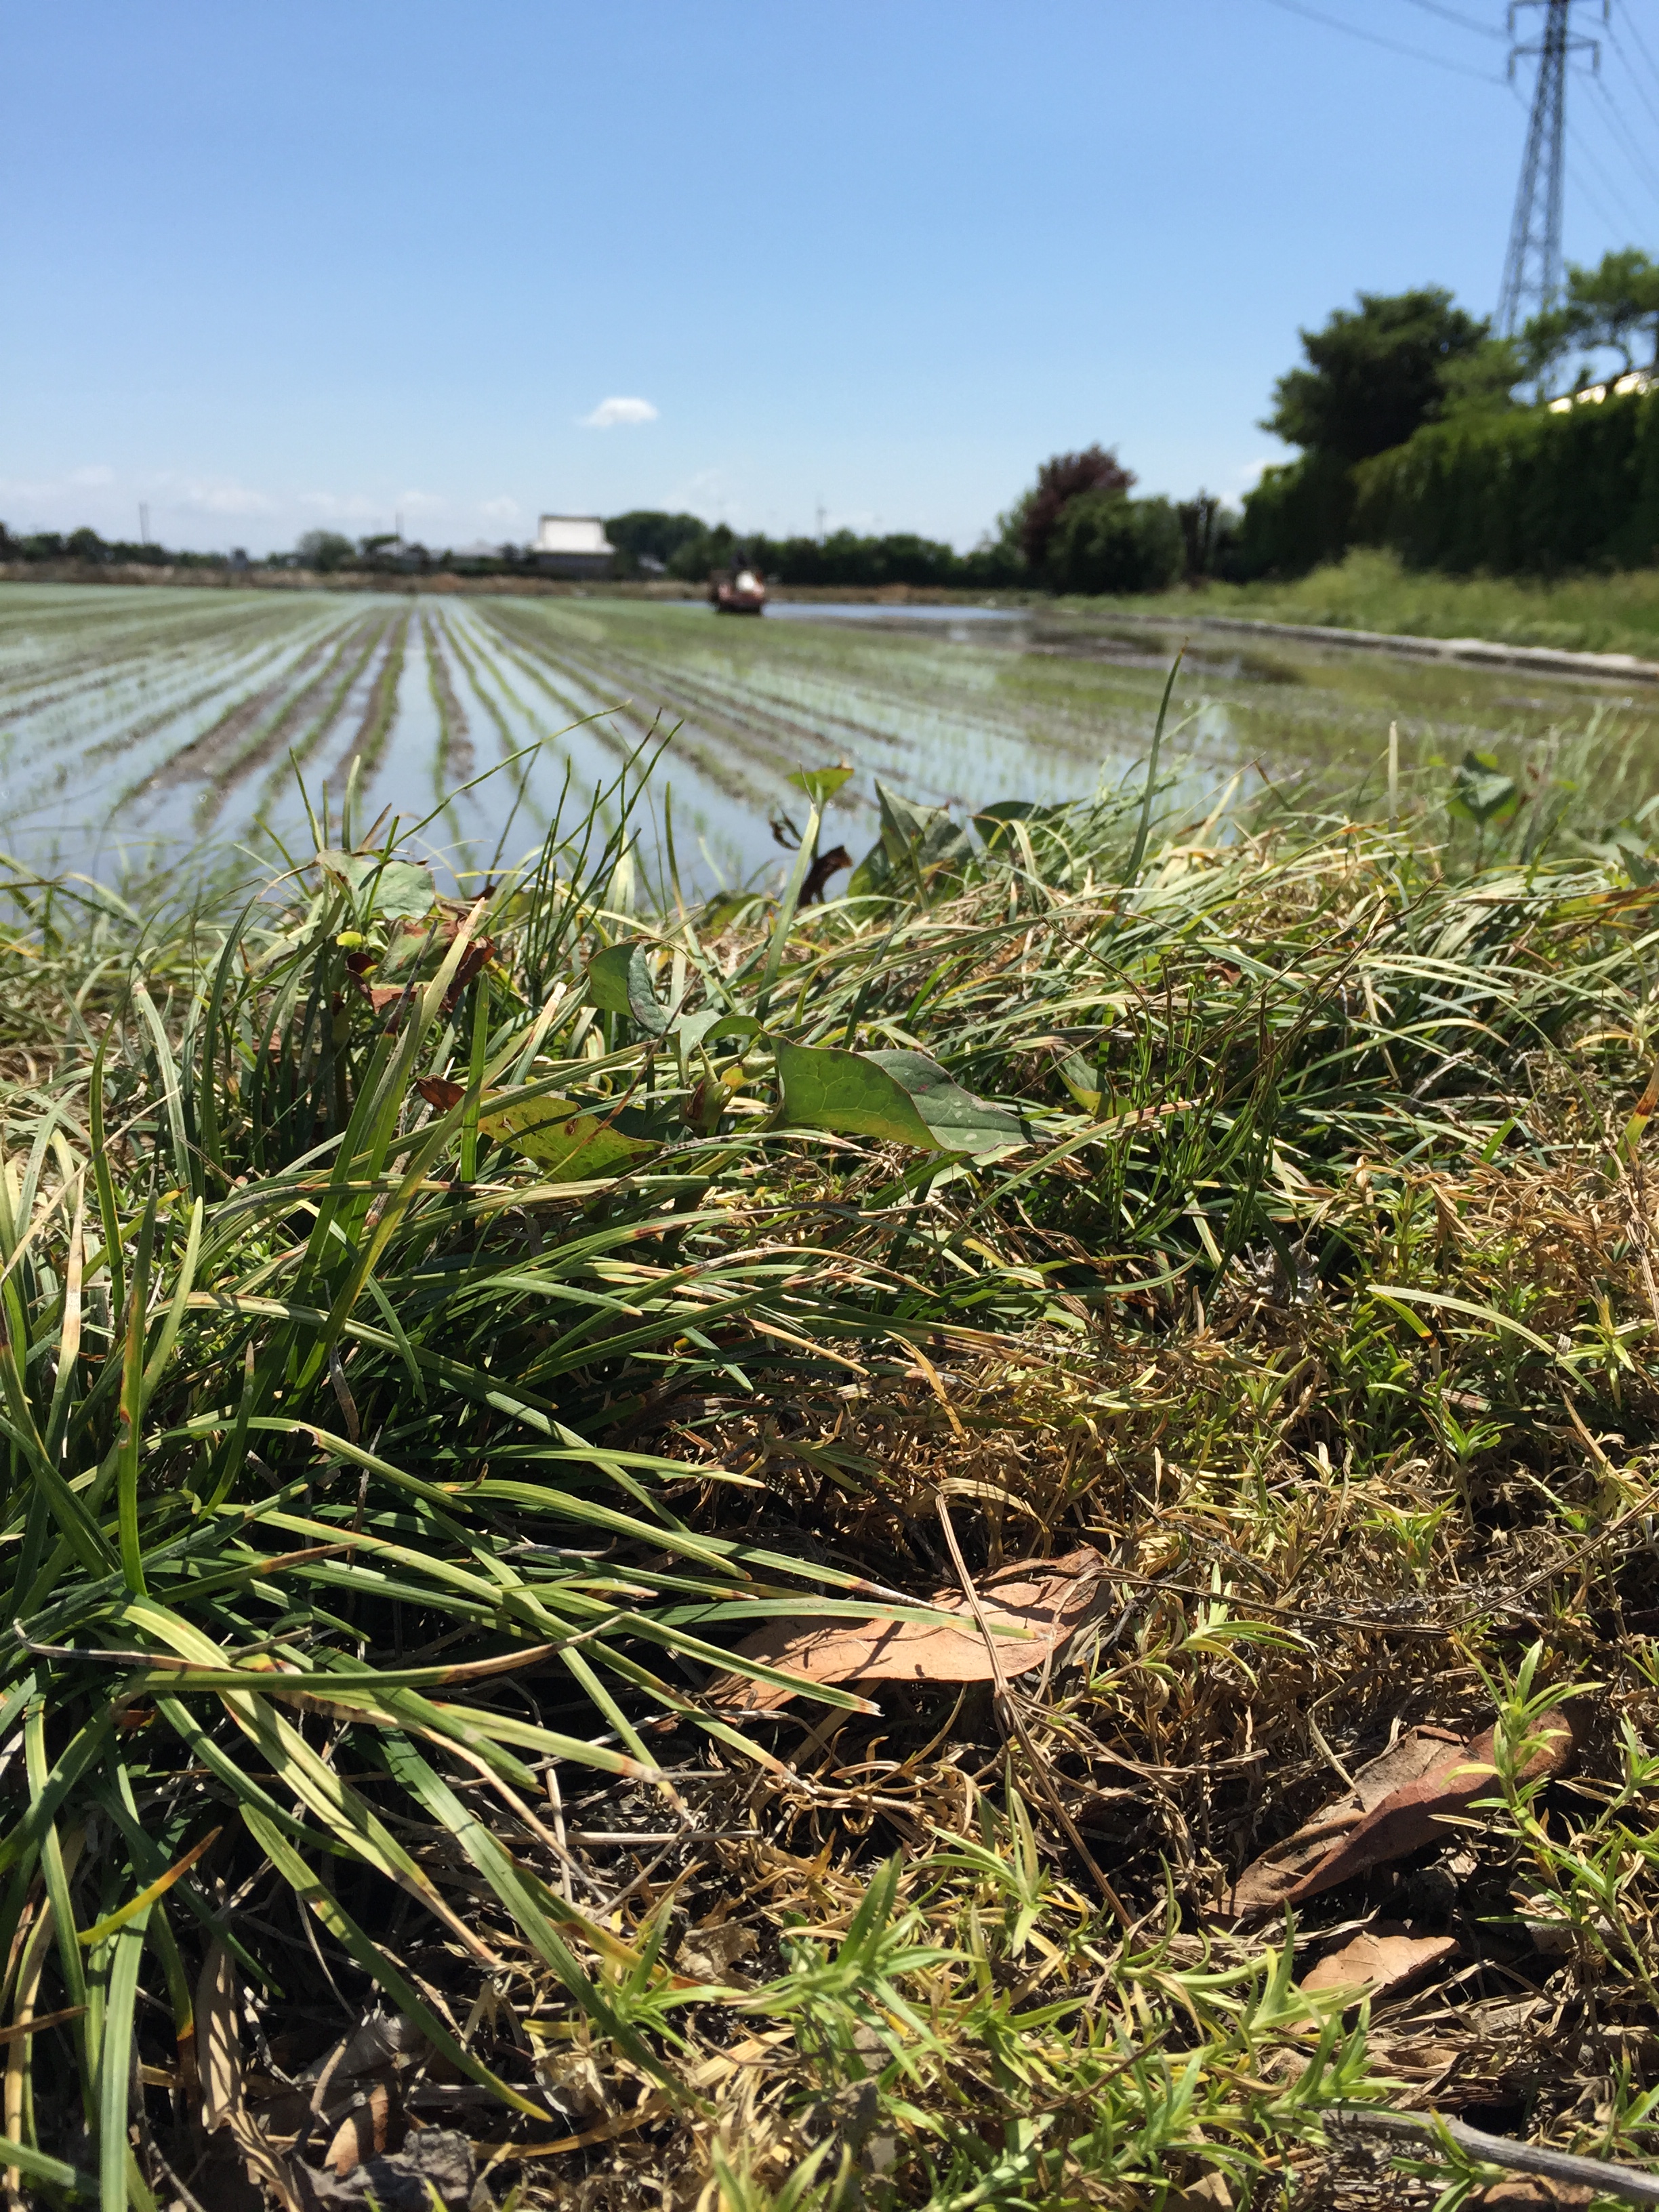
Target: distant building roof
573, 533
1592, 395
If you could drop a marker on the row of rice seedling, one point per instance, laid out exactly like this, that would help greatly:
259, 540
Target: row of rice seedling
142, 722
441, 1333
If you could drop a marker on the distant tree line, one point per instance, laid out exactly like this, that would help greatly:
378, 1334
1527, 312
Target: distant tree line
1076, 530
85, 544
1422, 432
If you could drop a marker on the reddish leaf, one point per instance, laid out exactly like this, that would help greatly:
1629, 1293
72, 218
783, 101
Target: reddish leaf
476, 955
438, 1092
1383, 1962
1414, 1815
1048, 1598
1265, 1884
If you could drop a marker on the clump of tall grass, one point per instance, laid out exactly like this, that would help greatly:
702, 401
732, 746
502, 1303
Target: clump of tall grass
431, 1344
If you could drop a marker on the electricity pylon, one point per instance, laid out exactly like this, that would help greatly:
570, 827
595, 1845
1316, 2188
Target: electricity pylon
1532, 268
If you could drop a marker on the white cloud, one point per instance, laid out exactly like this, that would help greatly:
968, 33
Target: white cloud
355, 507
96, 475
420, 502
610, 412
221, 495
499, 510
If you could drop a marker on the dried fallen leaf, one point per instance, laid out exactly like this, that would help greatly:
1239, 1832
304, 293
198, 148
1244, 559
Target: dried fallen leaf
1266, 1881
1049, 1600
1415, 1816
1428, 1781
362, 2134
438, 1091
218, 2039
1383, 1962
219, 2060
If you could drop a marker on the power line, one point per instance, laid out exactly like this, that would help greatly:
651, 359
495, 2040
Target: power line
1626, 217
1463, 22
1642, 45
1629, 67
1626, 140
1373, 38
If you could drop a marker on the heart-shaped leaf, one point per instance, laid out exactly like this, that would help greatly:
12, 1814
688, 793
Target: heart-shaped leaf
619, 981
397, 890
820, 784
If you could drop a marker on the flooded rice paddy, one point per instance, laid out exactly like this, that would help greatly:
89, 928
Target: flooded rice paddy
162, 728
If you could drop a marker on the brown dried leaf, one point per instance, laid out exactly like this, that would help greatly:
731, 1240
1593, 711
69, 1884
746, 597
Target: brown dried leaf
1415, 1816
1532, 2189
438, 1092
218, 2039
362, 2134
1382, 1961
1266, 1881
1047, 1599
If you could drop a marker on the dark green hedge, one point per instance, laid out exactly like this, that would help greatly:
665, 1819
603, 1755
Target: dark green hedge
1296, 517
1531, 490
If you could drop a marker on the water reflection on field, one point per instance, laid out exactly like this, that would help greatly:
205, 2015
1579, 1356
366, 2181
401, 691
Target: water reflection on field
140, 727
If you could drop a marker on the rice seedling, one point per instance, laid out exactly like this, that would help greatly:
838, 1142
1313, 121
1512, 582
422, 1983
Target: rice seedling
451, 1338
132, 724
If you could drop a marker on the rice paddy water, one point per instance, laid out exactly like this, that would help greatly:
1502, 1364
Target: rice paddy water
142, 729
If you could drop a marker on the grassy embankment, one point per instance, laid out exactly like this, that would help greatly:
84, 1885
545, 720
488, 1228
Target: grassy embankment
1614, 613
380, 1506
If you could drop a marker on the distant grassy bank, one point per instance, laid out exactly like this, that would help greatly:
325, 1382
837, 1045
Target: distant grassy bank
1370, 590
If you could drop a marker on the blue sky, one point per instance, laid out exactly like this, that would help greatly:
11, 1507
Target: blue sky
267, 268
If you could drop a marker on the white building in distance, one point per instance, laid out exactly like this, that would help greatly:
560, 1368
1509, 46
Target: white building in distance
572, 545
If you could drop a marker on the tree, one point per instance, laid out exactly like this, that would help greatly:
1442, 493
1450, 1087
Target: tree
1065, 477
1374, 377
1615, 302
325, 550
646, 534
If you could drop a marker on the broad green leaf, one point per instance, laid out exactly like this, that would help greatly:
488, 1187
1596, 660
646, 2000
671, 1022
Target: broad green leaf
395, 889
1481, 791
820, 784
1082, 1079
619, 981
902, 1098
569, 1143
995, 822
918, 845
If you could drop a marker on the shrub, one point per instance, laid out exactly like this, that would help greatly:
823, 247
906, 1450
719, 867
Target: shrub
1106, 543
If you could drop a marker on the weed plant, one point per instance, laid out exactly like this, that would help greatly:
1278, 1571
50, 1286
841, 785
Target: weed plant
380, 1506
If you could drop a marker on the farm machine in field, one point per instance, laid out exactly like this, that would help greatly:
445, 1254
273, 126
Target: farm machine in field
740, 590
